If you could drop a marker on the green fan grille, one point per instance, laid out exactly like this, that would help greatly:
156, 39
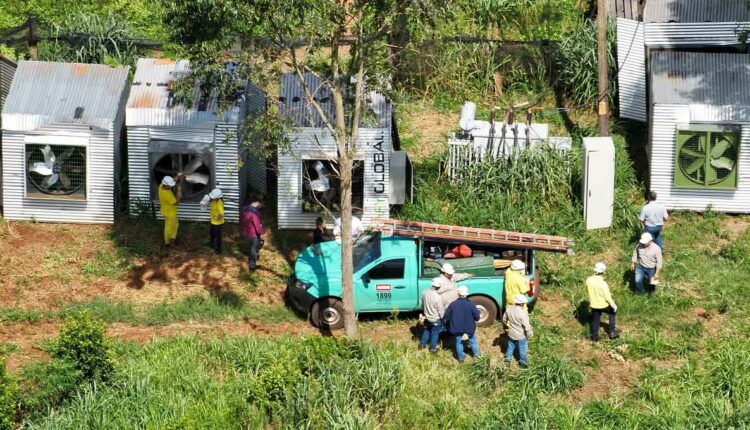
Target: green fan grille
707, 159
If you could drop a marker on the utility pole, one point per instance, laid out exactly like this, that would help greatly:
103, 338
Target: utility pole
601, 18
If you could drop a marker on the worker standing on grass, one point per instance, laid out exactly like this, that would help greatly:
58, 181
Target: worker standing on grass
653, 215
518, 328
252, 229
433, 309
217, 218
516, 282
168, 199
646, 262
461, 319
448, 289
600, 301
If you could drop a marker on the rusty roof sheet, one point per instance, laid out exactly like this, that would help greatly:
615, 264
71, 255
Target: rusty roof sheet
700, 78
696, 11
50, 93
150, 84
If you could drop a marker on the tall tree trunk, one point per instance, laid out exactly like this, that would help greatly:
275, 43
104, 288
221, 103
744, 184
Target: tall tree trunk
347, 263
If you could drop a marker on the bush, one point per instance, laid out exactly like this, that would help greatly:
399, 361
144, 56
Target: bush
7, 399
83, 343
47, 385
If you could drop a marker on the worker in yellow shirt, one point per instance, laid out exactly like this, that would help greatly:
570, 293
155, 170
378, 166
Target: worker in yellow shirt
168, 198
516, 282
600, 301
216, 198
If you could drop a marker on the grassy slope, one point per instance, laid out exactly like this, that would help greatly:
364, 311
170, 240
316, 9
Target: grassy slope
685, 349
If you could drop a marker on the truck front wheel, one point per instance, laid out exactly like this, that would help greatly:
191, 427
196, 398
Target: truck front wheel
487, 310
328, 313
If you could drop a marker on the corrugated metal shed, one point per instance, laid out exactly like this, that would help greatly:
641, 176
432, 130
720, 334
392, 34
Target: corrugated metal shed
44, 93
682, 11
631, 61
686, 78
152, 116
666, 119
293, 103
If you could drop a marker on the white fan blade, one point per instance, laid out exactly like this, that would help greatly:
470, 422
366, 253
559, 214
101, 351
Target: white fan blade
320, 185
193, 166
723, 163
49, 156
197, 178
41, 168
52, 180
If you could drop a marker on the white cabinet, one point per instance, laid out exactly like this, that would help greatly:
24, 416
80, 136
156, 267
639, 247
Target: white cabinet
598, 181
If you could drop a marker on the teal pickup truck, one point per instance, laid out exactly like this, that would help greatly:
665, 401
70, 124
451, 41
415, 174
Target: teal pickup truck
392, 272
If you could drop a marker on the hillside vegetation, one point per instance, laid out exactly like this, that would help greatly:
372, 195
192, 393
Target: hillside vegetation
100, 327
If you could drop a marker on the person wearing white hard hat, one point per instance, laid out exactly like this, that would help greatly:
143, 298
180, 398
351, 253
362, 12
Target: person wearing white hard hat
461, 319
600, 301
448, 289
433, 310
216, 201
519, 330
646, 262
168, 199
516, 282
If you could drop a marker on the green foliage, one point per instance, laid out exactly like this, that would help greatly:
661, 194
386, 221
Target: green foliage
553, 375
107, 264
86, 38
8, 396
730, 370
83, 343
47, 386
577, 65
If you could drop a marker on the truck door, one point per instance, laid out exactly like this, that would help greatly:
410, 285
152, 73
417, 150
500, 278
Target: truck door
387, 285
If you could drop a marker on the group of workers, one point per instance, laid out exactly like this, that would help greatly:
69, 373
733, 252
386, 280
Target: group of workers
446, 307
252, 227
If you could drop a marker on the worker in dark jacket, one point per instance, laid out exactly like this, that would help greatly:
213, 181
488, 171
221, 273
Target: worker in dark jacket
321, 234
461, 318
252, 229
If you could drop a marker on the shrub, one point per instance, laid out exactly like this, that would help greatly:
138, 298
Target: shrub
7, 399
47, 385
83, 343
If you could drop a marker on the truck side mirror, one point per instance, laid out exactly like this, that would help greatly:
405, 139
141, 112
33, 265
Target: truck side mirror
365, 279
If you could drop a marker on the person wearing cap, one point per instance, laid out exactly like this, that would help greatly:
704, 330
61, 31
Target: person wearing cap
461, 319
518, 328
447, 287
168, 200
653, 216
646, 262
600, 301
252, 229
516, 282
217, 218
433, 310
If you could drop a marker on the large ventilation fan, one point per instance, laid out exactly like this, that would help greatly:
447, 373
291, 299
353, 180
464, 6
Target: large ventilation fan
707, 160
195, 173
56, 170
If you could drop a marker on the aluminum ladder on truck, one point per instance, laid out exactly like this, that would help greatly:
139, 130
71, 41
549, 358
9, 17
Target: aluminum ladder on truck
474, 235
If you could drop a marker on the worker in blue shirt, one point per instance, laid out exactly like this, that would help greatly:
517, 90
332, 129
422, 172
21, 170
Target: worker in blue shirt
461, 318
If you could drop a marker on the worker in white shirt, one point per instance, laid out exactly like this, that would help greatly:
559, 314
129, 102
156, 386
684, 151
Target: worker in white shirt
653, 216
357, 228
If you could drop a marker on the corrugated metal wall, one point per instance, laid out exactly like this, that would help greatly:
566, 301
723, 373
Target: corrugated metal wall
256, 166
631, 61
665, 119
375, 146
224, 139
99, 204
692, 34
7, 70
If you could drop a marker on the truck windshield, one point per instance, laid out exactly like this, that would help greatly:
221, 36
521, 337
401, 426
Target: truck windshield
366, 249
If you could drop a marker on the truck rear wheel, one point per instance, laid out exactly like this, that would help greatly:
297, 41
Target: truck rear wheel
328, 314
487, 310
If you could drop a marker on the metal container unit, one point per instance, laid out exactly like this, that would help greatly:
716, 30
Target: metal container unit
62, 127
7, 70
311, 142
700, 97
160, 130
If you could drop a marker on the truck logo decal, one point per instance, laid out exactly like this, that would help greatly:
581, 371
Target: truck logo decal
383, 287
